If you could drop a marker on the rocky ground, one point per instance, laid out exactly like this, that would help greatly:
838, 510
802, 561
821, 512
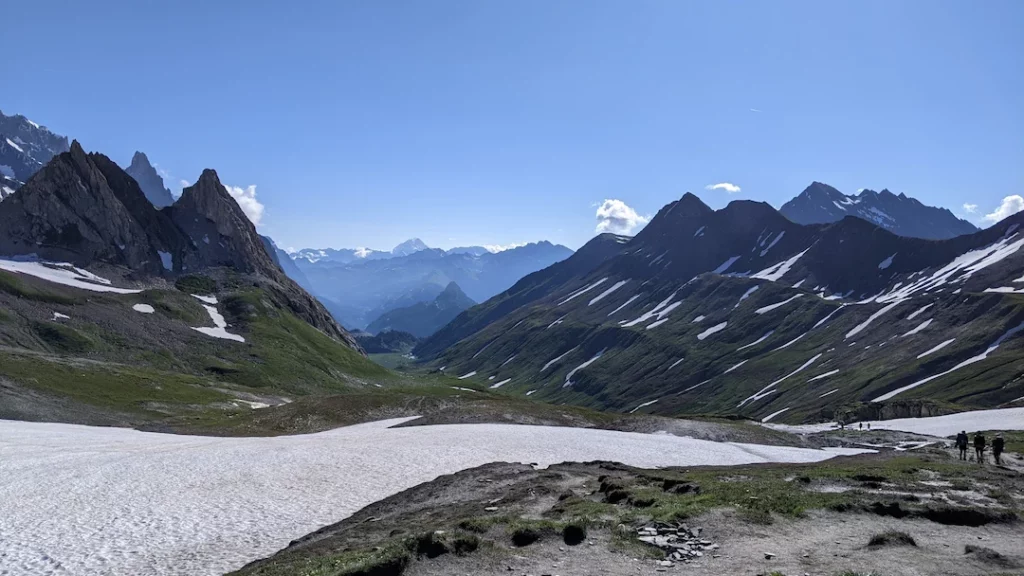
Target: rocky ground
895, 513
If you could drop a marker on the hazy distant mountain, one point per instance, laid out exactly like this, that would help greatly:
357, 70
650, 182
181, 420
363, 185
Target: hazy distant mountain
151, 183
359, 286
424, 318
24, 148
902, 215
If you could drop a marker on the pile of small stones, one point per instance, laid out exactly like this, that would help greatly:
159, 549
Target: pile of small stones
680, 542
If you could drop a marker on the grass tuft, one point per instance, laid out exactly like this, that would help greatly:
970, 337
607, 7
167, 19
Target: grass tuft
892, 538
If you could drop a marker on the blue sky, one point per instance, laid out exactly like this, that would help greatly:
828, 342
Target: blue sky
365, 123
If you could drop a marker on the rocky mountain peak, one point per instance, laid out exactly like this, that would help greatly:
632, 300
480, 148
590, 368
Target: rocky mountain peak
150, 181
410, 246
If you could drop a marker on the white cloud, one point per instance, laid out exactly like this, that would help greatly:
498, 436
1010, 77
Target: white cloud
495, 248
754, 110
727, 186
615, 216
1010, 206
970, 208
246, 198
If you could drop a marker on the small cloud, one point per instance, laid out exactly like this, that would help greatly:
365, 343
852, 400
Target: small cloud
727, 186
1010, 206
246, 198
970, 208
617, 217
495, 248
754, 110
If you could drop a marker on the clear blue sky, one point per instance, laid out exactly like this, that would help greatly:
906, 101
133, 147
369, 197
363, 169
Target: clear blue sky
365, 123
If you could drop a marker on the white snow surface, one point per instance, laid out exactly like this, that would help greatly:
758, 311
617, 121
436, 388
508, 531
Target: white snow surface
747, 295
697, 319
96, 501
624, 304
936, 348
644, 405
712, 330
676, 363
773, 243
920, 311
770, 307
725, 265
64, 274
583, 290
59, 316
829, 393
557, 358
769, 417
144, 308
568, 377
758, 341
656, 311
886, 263
166, 259
770, 389
502, 383
774, 273
948, 425
657, 323
735, 366
920, 327
825, 375
469, 375
207, 299
15, 146
219, 329
860, 327
601, 296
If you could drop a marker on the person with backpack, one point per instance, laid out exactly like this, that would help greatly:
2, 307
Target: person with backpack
961, 444
997, 448
979, 446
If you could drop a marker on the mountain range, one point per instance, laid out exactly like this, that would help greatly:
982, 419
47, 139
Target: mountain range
902, 215
24, 148
742, 311
359, 289
424, 318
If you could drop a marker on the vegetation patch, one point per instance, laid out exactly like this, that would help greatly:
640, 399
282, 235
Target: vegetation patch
12, 284
196, 284
61, 338
989, 556
892, 538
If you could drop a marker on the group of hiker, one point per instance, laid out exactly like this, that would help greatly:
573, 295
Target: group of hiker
980, 444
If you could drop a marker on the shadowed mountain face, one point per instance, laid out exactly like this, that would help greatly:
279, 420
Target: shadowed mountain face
359, 290
741, 310
902, 215
424, 318
25, 147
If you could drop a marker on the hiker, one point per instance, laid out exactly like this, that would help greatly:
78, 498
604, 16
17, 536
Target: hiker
869, 426
961, 444
997, 448
979, 447
860, 426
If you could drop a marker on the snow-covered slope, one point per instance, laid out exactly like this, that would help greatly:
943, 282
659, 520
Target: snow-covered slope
24, 148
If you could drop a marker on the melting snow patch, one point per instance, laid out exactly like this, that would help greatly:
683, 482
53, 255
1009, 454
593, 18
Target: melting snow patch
556, 322
166, 260
886, 263
736, 366
771, 307
568, 377
530, 393
464, 376
1009, 334
920, 311
746, 295
601, 296
774, 242
770, 389
771, 416
656, 311
774, 273
144, 308
59, 316
699, 232
860, 327
657, 323
219, 326
644, 405
756, 342
485, 348
697, 319
725, 265
936, 349
207, 299
676, 363
64, 274
829, 393
825, 319
510, 358
1006, 290
464, 389
920, 327
825, 375
583, 290
502, 383
552, 361
712, 330
624, 304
